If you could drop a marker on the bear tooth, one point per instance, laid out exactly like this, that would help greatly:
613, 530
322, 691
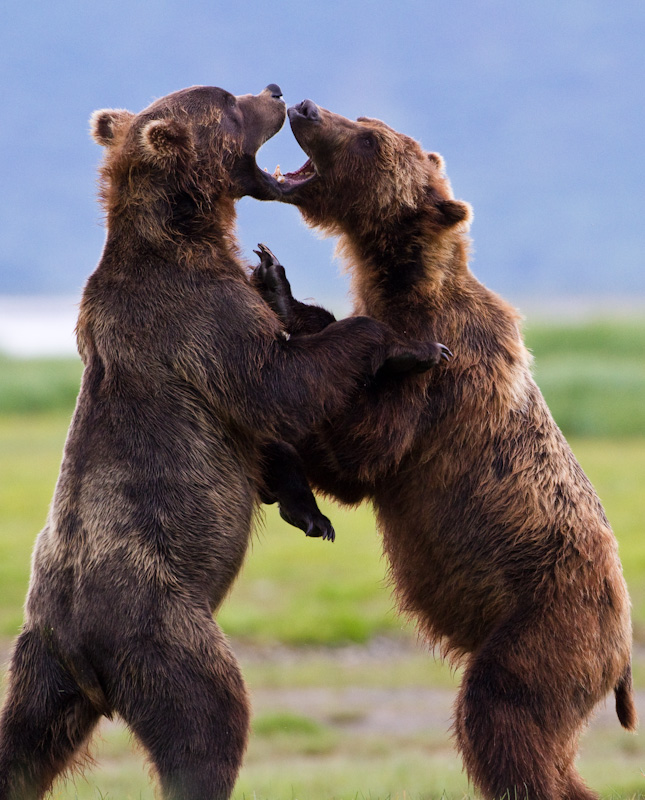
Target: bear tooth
278, 175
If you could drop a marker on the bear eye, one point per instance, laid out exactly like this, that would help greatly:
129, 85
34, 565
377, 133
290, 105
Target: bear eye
368, 141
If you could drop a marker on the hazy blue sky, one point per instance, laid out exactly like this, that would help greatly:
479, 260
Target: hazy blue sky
538, 109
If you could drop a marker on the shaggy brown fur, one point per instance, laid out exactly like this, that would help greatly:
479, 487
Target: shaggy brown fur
187, 374
498, 546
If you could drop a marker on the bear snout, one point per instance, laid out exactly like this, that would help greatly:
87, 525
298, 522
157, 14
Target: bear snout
307, 109
275, 90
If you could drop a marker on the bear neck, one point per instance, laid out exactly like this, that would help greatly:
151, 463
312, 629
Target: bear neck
406, 264
174, 235
418, 282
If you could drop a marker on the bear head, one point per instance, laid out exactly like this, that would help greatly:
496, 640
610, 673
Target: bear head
187, 157
363, 174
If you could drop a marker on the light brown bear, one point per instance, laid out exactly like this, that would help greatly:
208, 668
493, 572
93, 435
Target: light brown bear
498, 546
188, 375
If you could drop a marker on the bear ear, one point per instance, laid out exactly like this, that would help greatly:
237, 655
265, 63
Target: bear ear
105, 123
454, 211
437, 160
164, 140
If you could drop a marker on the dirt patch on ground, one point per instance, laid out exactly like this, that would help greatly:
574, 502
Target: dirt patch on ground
398, 711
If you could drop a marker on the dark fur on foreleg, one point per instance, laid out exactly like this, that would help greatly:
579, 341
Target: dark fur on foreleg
285, 483
420, 359
270, 280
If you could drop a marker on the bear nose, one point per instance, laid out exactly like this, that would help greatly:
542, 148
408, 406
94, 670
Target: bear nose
309, 110
275, 90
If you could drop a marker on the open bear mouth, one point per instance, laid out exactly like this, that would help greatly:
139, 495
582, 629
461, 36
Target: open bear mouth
292, 180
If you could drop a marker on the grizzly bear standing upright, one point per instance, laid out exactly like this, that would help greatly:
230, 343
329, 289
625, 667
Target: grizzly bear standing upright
497, 543
187, 374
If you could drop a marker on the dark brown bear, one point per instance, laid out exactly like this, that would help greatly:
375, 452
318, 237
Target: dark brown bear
498, 545
187, 375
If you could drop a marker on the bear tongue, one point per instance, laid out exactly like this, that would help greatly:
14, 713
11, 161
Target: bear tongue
307, 170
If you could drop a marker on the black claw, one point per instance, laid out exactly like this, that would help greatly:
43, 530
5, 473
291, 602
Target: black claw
266, 255
328, 532
314, 524
321, 529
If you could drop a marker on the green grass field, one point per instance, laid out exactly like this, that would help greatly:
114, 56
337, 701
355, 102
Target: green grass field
306, 615
294, 590
592, 376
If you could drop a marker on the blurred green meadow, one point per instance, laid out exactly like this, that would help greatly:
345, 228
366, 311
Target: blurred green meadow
314, 623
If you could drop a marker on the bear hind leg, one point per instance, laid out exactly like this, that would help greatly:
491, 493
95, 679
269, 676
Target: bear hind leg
507, 721
44, 723
575, 788
191, 714
500, 744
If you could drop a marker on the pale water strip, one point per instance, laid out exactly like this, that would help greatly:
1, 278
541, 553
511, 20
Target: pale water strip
32, 326
38, 326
